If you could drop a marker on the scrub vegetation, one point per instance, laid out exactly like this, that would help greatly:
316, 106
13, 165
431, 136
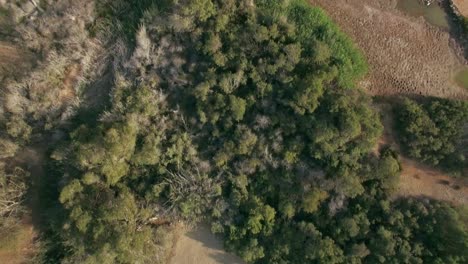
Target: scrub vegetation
432, 131
243, 114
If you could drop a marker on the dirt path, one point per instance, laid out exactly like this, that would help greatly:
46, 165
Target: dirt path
406, 55
201, 247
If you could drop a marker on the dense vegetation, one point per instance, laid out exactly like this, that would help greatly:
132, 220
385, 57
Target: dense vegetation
432, 131
244, 114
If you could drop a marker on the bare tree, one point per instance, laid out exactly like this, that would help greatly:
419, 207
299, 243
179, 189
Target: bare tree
12, 191
191, 187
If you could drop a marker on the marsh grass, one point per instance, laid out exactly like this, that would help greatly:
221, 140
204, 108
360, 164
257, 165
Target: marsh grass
462, 78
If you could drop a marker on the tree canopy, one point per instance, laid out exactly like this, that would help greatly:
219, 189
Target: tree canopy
245, 114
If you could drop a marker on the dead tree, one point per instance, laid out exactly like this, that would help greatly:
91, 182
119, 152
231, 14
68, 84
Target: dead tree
12, 191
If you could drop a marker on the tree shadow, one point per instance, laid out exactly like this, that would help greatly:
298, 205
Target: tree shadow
203, 235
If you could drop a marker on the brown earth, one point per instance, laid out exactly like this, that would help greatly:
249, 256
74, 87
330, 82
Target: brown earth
25, 248
406, 55
8, 54
200, 246
462, 6
67, 93
14, 61
423, 181
31, 159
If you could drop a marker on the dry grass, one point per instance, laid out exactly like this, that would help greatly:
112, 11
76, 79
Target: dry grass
406, 55
49, 94
13, 60
17, 244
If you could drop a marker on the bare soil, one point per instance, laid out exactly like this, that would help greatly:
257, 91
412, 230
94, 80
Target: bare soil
67, 93
462, 6
406, 55
13, 60
423, 181
8, 54
25, 248
31, 159
200, 246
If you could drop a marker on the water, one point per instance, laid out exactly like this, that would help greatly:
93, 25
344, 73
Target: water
462, 78
434, 14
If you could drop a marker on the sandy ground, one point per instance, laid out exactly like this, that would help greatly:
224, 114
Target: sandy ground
406, 55
462, 6
200, 246
422, 181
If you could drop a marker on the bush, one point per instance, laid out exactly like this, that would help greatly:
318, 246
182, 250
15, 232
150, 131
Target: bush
431, 131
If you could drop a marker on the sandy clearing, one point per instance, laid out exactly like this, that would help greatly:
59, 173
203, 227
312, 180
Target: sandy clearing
423, 181
406, 55
200, 246
462, 6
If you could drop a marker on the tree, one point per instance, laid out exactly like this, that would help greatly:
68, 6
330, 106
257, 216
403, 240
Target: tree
430, 131
312, 200
13, 188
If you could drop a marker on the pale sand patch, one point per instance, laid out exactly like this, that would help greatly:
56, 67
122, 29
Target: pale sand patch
462, 6
200, 246
423, 181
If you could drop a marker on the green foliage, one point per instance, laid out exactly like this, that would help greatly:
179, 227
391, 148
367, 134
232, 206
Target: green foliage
431, 131
244, 113
312, 199
18, 128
